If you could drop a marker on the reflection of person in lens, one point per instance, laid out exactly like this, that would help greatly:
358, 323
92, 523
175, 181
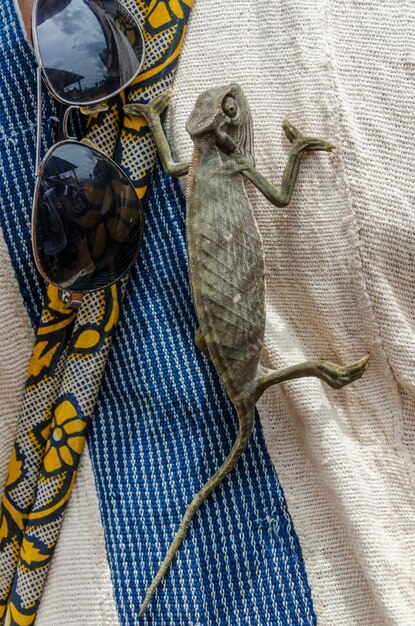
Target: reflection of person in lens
65, 203
54, 223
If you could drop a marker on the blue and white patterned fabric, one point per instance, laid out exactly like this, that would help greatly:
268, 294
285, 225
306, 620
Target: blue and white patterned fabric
163, 422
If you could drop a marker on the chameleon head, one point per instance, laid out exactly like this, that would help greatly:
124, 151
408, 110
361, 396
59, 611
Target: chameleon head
223, 112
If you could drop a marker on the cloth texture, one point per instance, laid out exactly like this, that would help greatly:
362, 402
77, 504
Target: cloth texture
339, 275
85, 576
161, 427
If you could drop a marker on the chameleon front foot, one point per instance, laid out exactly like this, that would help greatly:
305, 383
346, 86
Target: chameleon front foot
303, 143
151, 110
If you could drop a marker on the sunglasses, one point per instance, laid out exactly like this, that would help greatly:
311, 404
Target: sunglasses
87, 219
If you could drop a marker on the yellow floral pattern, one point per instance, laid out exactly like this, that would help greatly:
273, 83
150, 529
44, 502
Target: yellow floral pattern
66, 440
44, 374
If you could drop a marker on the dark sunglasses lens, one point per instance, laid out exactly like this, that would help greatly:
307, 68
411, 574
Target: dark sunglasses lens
89, 49
88, 220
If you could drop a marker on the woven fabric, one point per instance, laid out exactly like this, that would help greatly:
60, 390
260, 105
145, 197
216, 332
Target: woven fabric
79, 589
247, 566
58, 443
18, 133
339, 275
51, 440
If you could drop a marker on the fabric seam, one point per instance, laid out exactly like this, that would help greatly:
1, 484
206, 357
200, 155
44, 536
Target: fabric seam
102, 561
365, 302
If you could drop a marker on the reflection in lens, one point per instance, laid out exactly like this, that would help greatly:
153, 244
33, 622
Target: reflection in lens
88, 220
89, 49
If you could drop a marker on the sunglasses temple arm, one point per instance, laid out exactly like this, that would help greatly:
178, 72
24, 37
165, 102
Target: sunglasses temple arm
39, 120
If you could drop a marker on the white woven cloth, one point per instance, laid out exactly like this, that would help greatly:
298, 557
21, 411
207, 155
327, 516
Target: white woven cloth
340, 275
79, 588
340, 284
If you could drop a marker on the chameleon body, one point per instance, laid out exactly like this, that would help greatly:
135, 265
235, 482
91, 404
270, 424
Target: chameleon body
226, 260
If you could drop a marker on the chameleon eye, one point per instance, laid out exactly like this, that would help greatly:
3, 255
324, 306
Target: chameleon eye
229, 106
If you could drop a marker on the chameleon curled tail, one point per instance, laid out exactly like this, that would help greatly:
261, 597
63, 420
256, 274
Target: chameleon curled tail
335, 375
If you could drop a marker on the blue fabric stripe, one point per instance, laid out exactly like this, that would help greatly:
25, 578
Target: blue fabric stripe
163, 422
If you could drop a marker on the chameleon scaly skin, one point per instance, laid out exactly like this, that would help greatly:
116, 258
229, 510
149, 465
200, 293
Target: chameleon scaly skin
226, 260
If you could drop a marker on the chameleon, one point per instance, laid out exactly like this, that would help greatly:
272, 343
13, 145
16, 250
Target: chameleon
226, 260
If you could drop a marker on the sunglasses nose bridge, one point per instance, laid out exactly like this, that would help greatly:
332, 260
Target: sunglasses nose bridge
65, 122
85, 110
102, 107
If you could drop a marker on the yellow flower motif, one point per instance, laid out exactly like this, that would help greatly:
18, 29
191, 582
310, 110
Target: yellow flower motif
41, 358
66, 439
159, 14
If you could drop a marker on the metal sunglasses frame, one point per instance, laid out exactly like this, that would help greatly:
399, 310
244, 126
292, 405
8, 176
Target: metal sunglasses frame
72, 299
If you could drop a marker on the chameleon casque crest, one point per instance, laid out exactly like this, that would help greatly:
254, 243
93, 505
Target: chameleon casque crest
226, 260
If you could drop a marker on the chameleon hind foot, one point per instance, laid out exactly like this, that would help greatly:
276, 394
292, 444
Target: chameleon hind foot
152, 109
304, 143
336, 376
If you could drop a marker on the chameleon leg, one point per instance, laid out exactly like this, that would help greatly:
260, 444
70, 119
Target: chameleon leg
334, 375
200, 342
300, 145
151, 112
